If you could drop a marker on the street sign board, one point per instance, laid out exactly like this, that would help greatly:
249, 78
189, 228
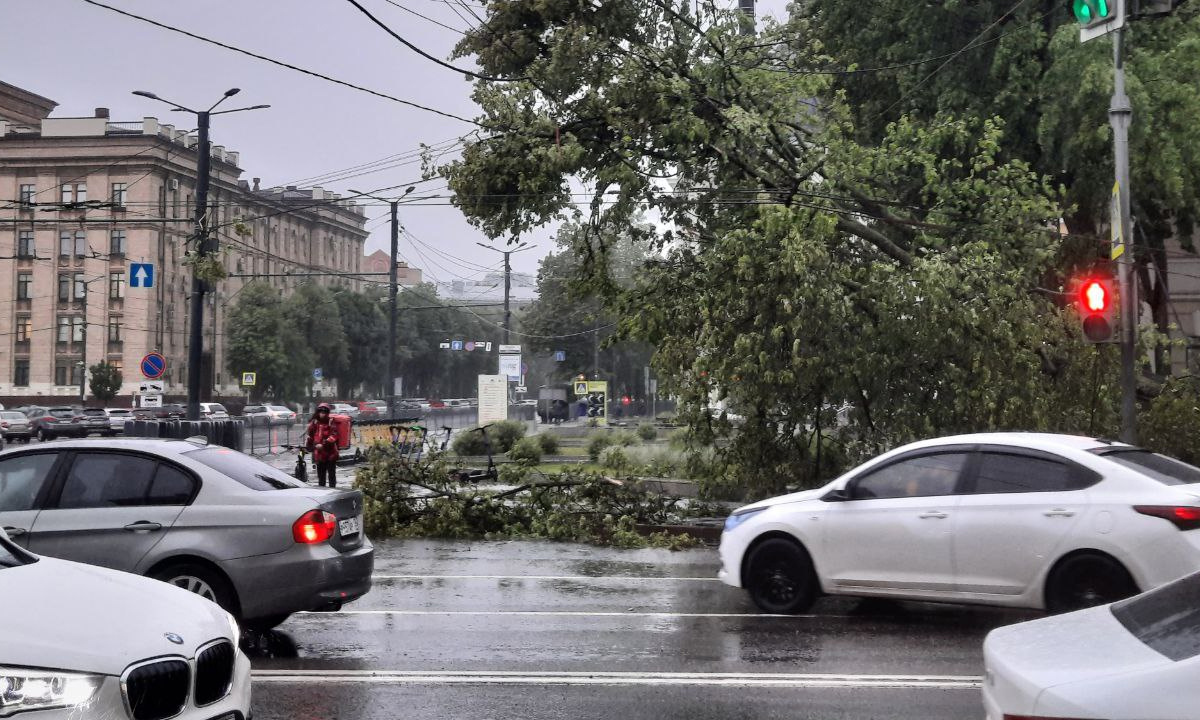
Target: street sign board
560, 356
510, 366
510, 349
151, 401
154, 366
580, 387
444, 345
493, 399
456, 344
597, 401
150, 387
469, 346
487, 347
316, 373
521, 389
141, 275
249, 378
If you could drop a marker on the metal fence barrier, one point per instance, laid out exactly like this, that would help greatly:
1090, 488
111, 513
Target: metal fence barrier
226, 433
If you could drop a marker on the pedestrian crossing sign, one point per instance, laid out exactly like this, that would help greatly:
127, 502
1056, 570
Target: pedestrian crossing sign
581, 387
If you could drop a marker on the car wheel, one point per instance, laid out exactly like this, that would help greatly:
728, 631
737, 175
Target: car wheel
263, 624
780, 577
1086, 580
202, 581
43, 436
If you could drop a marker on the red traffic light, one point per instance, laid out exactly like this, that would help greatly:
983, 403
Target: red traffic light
1097, 309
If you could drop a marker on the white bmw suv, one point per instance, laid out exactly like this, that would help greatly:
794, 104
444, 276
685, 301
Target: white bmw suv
1012, 519
84, 642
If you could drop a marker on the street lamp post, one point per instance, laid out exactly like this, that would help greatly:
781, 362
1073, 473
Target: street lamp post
204, 244
393, 290
507, 281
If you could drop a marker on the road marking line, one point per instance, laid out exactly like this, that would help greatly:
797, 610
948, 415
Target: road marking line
576, 578
793, 680
565, 613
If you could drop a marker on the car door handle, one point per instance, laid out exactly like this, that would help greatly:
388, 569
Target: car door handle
938, 514
14, 531
1059, 512
143, 526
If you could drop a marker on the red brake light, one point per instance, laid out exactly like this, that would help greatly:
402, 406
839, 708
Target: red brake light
1181, 516
314, 526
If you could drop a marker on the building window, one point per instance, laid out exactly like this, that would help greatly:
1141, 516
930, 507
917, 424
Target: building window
80, 243
77, 329
21, 372
24, 328
119, 191
116, 363
24, 286
64, 329
116, 285
76, 373
74, 193
81, 287
64, 287
27, 194
114, 329
116, 242
24, 243
72, 243
60, 374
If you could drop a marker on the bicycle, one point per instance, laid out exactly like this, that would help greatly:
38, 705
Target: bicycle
300, 472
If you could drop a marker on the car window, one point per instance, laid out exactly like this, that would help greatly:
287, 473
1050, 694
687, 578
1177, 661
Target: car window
12, 416
924, 476
248, 471
106, 480
1167, 618
1166, 470
21, 476
1013, 473
118, 412
216, 407
94, 412
62, 413
171, 486
251, 409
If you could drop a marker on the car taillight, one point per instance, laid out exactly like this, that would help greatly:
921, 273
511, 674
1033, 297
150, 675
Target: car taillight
1183, 517
314, 526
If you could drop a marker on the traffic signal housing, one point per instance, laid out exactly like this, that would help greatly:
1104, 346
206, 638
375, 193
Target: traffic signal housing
1097, 305
1098, 17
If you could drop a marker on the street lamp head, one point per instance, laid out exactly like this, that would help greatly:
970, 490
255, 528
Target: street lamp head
145, 94
232, 91
409, 189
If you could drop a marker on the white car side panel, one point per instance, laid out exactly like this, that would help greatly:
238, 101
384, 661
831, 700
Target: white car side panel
889, 543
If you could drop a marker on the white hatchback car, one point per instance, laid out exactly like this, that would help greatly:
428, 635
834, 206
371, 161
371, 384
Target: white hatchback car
83, 642
1133, 660
1012, 519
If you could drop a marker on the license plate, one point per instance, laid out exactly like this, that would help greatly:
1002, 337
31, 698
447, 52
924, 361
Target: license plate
350, 526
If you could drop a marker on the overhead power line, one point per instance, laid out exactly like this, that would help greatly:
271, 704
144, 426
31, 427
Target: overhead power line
280, 63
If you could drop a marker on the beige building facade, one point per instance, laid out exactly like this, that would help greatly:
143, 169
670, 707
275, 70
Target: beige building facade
83, 199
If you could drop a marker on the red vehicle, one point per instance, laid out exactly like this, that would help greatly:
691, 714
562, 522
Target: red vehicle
437, 404
367, 409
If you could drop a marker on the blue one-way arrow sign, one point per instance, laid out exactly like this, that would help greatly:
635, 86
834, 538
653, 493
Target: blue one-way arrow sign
141, 275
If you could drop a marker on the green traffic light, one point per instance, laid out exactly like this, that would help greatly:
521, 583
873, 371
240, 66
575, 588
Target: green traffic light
1089, 11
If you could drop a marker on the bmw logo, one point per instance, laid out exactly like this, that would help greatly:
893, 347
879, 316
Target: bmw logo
173, 638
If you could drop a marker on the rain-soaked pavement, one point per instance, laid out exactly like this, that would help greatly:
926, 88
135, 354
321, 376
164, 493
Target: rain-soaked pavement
534, 630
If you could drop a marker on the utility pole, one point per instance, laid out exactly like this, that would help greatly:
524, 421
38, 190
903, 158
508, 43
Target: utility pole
1120, 115
204, 244
507, 281
393, 292
83, 349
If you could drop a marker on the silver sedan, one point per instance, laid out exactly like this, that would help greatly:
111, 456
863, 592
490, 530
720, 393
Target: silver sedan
210, 519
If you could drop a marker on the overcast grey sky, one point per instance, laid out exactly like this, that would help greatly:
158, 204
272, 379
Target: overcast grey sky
84, 57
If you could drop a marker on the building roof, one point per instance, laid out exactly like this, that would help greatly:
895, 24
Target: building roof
18, 105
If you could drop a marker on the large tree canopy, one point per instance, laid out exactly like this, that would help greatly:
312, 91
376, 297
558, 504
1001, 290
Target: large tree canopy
802, 261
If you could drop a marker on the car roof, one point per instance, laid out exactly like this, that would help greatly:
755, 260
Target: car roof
151, 445
1040, 441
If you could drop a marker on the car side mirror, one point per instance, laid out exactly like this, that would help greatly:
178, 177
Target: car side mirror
837, 495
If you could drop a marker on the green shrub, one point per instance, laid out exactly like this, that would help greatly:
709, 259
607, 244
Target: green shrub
549, 443
596, 443
625, 438
505, 434
678, 437
526, 451
468, 442
615, 458
647, 431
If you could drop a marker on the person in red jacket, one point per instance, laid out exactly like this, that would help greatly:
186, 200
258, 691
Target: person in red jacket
323, 443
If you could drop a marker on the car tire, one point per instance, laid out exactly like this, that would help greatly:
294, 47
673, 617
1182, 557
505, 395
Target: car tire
780, 577
201, 580
263, 624
1085, 580
44, 436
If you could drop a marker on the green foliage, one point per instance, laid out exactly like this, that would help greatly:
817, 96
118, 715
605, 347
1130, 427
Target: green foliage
105, 381
647, 431
505, 434
469, 443
625, 438
259, 338
596, 442
411, 499
549, 443
1171, 425
615, 458
526, 451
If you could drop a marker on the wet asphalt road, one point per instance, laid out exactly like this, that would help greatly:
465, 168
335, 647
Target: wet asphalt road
547, 630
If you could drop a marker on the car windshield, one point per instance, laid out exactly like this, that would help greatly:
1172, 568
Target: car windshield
1167, 471
215, 407
1166, 619
118, 412
62, 413
252, 473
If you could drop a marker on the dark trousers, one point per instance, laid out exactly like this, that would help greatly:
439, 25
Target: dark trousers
326, 470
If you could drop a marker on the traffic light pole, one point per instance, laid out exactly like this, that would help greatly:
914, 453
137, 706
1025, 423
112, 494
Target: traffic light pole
1120, 114
199, 287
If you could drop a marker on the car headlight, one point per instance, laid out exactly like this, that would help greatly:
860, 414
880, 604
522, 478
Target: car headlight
23, 689
740, 517
236, 632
